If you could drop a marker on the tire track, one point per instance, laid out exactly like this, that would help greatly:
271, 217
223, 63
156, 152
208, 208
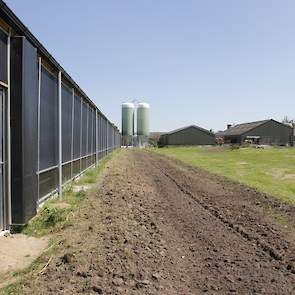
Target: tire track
214, 212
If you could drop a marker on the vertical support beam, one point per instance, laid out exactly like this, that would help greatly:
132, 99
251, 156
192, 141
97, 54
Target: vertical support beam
8, 137
92, 135
38, 123
72, 139
87, 113
99, 136
96, 137
59, 137
81, 100
107, 130
104, 137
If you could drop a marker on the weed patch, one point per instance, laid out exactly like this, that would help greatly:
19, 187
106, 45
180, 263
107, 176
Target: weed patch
46, 220
55, 214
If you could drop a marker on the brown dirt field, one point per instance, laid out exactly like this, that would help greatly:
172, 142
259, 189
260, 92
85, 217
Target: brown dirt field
156, 226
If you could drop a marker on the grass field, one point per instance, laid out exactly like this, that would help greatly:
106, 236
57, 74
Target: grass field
269, 170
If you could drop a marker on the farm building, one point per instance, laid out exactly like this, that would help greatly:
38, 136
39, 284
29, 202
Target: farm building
261, 132
50, 130
190, 135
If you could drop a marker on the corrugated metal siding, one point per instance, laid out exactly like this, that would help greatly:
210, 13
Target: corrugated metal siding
272, 132
189, 136
24, 109
35, 140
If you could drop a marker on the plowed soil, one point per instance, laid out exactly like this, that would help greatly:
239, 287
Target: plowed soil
156, 226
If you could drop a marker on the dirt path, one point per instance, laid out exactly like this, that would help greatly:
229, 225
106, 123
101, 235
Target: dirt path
17, 252
158, 227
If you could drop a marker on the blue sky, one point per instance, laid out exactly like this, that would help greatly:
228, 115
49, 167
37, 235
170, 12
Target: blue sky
208, 62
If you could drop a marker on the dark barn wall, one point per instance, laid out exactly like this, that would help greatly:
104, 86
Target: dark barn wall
44, 100
234, 139
67, 111
272, 132
190, 136
77, 127
24, 103
48, 119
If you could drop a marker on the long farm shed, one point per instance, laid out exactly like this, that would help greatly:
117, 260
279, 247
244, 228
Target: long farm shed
269, 132
50, 130
189, 135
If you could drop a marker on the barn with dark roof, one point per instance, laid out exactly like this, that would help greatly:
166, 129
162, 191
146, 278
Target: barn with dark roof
269, 132
189, 135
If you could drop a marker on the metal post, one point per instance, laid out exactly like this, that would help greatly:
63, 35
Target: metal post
8, 133
92, 136
107, 125
96, 137
72, 142
99, 134
38, 133
59, 137
81, 133
100, 137
87, 118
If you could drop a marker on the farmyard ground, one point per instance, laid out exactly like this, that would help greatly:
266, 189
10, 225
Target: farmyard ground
156, 226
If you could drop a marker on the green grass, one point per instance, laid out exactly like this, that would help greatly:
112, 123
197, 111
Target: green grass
55, 213
269, 170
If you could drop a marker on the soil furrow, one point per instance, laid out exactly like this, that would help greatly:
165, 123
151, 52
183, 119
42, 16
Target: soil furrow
261, 233
248, 236
156, 226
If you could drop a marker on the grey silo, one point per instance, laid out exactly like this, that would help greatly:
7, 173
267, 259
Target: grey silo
143, 120
127, 118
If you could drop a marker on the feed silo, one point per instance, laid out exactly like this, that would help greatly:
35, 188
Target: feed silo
143, 122
127, 122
